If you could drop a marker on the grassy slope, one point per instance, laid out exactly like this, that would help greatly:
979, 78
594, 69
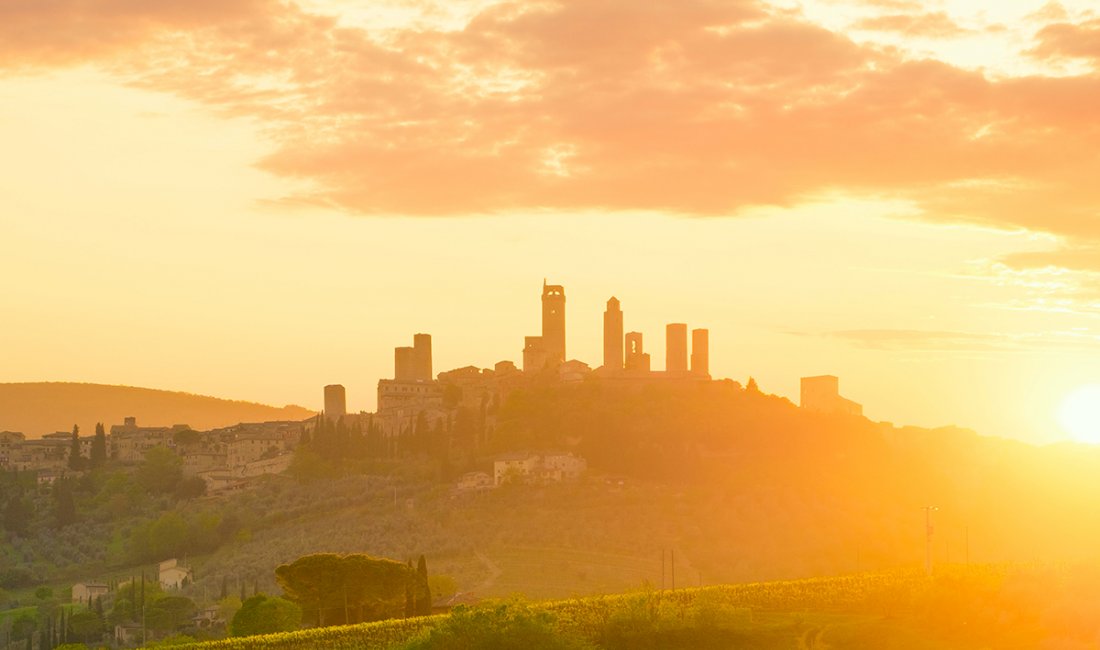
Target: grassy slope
39, 408
839, 613
553, 542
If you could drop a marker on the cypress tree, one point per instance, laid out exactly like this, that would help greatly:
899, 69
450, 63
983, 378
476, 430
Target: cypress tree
423, 593
225, 588
98, 453
76, 461
410, 593
142, 610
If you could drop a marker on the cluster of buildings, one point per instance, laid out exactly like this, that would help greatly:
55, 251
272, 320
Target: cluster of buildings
525, 468
48, 455
415, 394
171, 575
414, 397
224, 458
624, 355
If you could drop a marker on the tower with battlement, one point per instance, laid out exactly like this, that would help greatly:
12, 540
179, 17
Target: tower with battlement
553, 322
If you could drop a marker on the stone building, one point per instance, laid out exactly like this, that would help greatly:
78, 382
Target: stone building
822, 395
336, 401
613, 360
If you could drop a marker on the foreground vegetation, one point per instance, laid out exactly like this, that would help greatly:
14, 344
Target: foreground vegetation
961, 607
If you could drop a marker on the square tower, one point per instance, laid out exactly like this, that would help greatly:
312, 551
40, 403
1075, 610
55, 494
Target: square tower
613, 336
676, 348
553, 322
336, 402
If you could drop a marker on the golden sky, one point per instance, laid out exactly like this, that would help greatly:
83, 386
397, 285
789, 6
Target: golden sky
252, 199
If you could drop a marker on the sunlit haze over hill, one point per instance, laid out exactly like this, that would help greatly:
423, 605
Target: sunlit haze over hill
549, 324
253, 199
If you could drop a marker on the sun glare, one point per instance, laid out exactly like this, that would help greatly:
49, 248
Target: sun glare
1080, 414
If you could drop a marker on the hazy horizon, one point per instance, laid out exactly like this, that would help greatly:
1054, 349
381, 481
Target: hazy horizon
251, 200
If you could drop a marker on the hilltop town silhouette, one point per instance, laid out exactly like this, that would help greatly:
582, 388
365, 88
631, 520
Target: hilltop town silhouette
414, 393
415, 404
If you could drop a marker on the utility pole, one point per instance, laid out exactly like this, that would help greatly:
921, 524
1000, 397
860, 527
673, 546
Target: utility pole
662, 569
672, 566
143, 607
928, 538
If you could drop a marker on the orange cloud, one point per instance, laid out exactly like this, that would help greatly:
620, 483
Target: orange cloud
930, 25
698, 107
36, 33
1068, 40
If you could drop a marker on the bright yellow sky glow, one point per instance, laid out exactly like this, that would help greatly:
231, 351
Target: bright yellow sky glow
171, 225
1080, 414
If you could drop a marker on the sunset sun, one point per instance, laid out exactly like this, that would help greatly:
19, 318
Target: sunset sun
1080, 414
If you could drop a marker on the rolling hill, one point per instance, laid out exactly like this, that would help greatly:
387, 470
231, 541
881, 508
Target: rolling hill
39, 408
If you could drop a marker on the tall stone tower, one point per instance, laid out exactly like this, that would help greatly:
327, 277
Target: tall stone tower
700, 352
422, 357
613, 336
336, 402
676, 348
553, 322
404, 363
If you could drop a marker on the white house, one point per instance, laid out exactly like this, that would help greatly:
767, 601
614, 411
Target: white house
562, 466
172, 575
514, 467
86, 592
474, 481
532, 468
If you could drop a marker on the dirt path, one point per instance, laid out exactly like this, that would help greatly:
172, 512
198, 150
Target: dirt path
494, 573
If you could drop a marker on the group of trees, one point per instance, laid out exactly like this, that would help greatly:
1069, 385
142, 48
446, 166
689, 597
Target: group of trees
139, 601
262, 614
162, 473
141, 507
336, 589
97, 452
173, 534
54, 624
104, 493
669, 432
334, 448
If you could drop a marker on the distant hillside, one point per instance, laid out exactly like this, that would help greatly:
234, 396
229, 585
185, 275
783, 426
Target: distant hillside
39, 408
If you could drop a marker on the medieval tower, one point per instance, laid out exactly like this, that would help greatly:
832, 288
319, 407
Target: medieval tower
553, 322
613, 336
